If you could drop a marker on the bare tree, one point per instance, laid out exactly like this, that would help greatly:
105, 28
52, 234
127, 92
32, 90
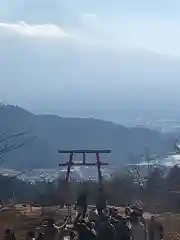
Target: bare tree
13, 142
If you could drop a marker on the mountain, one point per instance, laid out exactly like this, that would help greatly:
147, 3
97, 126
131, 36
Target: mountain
53, 133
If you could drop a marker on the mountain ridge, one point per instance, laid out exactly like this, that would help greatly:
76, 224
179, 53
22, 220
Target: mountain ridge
53, 132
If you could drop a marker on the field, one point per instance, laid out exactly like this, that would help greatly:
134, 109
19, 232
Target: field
22, 219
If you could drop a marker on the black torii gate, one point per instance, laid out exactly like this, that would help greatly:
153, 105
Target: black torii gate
98, 163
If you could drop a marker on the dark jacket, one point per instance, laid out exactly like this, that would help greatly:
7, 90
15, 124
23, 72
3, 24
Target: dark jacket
82, 200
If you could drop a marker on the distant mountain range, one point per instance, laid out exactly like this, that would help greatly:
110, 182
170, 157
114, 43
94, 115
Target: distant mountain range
53, 133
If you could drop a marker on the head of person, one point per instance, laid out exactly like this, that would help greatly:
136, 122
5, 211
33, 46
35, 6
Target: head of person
90, 225
153, 218
127, 209
72, 235
50, 221
65, 218
40, 236
135, 208
93, 209
134, 217
114, 212
141, 212
30, 235
93, 225
9, 232
44, 223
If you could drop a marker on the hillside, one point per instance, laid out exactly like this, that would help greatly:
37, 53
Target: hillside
53, 132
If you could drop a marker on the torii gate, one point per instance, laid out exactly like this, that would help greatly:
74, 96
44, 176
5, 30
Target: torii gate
70, 164
98, 163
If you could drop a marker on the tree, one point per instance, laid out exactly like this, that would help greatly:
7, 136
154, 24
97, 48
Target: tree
13, 142
117, 186
155, 189
173, 188
173, 179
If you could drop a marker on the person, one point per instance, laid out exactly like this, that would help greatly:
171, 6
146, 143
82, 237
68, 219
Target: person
84, 233
9, 234
92, 227
1, 203
120, 224
81, 205
40, 236
30, 235
114, 214
141, 212
101, 204
138, 230
122, 230
50, 230
105, 230
155, 229
72, 235
127, 211
93, 216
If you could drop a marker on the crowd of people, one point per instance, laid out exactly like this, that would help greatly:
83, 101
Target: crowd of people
99, 223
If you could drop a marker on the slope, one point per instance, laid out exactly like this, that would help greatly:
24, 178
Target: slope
53, 132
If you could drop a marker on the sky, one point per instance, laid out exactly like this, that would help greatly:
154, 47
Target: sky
85, 57
150, 24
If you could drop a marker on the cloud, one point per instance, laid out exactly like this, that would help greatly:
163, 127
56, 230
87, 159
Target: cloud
160, 35
151, 25
27, 30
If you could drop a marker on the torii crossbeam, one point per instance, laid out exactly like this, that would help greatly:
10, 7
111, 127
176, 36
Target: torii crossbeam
98, 163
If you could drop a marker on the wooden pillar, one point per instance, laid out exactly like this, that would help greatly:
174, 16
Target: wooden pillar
99, 172
67, 181
69, 166
84, 158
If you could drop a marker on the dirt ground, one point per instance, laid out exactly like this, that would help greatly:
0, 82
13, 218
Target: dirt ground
21, 222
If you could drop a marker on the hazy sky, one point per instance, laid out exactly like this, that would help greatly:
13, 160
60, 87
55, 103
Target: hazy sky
150, 24
94, 54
